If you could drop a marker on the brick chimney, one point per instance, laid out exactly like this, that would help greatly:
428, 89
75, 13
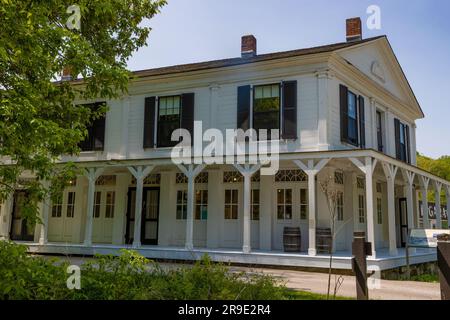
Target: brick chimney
248, 46
66, 74
354, 29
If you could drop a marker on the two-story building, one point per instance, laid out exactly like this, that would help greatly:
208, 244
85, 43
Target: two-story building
344, 111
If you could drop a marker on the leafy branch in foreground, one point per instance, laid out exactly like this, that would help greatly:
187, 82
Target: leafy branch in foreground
38, 119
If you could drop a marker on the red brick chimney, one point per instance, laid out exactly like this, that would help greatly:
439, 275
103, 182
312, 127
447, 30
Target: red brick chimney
248, 46
354, 29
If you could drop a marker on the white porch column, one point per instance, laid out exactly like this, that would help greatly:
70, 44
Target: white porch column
391, 171
447, 195
92, 175
190, 171
437, 204
247, 171
409, 176
312, 170
43, 235
424, 184
368, 168
139, 173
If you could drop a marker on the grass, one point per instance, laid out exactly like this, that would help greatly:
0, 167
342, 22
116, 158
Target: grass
304, 295
432, 278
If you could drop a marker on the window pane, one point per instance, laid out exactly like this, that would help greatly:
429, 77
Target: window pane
235, 212
352, 105
235, 196
280, 212
288, 196
280, 195
288, 212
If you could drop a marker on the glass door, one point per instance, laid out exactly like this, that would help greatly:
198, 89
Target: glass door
403, 222
20, 229
150, 216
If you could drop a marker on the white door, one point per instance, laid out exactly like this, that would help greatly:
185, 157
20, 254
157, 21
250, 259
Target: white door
232, 217
104, 205
62, 215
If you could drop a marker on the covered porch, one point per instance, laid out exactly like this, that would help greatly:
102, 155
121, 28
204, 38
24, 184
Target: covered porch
232, 212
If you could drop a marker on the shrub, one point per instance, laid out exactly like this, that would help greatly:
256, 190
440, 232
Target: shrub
128, 277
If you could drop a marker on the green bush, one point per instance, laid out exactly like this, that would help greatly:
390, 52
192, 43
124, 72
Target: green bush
128, 276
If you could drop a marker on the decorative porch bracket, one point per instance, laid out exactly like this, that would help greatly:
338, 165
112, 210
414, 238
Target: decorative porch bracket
409, 177
311, 169
368, 168
247, 171
139, 173
437, 203
390, 171
424, 185
92, 175
191, 172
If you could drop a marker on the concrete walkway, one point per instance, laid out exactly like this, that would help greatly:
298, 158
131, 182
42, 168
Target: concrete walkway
317, 283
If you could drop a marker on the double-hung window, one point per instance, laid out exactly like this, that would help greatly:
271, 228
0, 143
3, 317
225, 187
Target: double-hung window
266, 107
352, 118
169, 119
95, 140
255, 204
379, 123
181, 205
402, 138
201, 204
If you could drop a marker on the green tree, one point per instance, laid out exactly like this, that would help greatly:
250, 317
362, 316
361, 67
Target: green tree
439, 167
38, 120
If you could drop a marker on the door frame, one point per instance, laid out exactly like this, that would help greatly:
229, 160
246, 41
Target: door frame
23, 228
130, 238
403, 224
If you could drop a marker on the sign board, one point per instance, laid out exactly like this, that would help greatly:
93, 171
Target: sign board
425, 238
432, 211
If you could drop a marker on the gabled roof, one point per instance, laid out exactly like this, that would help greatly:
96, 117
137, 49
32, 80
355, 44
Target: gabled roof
240, 61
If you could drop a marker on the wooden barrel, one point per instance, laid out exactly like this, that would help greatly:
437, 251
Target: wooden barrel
323, 240
292, 239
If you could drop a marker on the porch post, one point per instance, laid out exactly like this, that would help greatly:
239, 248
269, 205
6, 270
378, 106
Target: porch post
247, 171
437, 203
425, 210
43, 236
409, 176
447, 194
190, 172
311, 171
139, 173
92, 174
368, 168
391, 171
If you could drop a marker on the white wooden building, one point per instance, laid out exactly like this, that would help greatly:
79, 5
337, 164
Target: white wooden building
345, 110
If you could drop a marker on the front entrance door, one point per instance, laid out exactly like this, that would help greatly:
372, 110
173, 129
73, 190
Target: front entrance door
150, 216
20, 230
403, 222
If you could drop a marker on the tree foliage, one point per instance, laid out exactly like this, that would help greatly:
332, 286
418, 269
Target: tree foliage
38, 119
439, 167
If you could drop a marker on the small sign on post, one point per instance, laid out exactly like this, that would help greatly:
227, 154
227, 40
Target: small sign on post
360, 250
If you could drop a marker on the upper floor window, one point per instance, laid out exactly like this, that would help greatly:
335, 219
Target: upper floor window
379, 124
271, 106
169, 109
95, 140
266, 107
352, 118
402, 141
163, 115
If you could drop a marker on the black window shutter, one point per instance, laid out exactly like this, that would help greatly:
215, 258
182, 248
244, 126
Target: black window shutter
397, 139
289, 110
362, 123
343, 92
408, 145
99, 134
243, 108
149, 122
187, 113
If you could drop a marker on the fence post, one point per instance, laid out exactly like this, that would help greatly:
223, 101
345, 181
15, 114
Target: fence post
360, 250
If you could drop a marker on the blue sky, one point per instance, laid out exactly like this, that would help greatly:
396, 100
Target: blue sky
419, 31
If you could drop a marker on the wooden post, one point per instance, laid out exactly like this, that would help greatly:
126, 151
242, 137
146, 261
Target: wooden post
360, 250
443, 255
